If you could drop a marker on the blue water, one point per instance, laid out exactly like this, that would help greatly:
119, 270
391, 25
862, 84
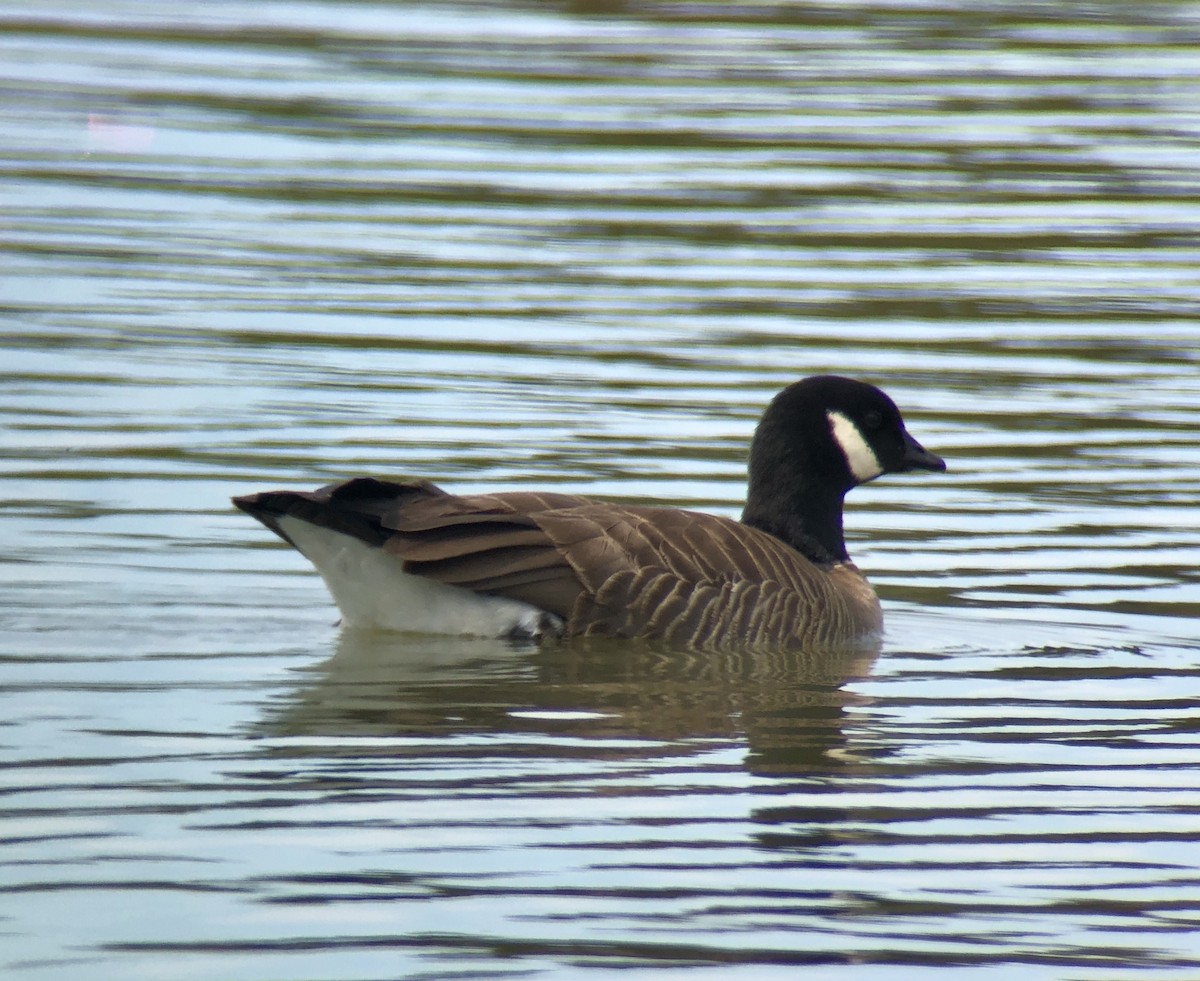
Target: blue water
260, 245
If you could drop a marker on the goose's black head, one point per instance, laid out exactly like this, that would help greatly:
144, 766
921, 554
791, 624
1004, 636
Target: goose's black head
819, 438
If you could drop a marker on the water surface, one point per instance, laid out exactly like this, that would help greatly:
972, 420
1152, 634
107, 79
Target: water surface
579, 246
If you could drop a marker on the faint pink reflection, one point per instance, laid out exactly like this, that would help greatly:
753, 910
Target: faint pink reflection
111, 134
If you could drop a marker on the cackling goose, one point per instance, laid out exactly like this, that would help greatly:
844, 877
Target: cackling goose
406, 555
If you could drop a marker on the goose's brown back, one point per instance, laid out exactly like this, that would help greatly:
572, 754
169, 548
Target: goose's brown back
608, 569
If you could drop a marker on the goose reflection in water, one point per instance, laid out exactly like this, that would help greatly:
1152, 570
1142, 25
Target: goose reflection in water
789, 707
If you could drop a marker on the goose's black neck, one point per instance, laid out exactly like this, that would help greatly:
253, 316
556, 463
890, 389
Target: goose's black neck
798, 481
804, 516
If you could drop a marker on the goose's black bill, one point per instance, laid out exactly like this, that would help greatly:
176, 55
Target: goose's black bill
916, 457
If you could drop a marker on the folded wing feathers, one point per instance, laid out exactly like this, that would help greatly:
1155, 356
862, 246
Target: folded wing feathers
691, 578
462, 539
433, 508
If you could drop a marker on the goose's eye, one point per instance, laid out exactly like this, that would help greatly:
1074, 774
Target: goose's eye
873, 420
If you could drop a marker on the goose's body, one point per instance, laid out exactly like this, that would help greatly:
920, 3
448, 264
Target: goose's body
407, 555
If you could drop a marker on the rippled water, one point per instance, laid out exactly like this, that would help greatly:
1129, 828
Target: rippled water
579, 246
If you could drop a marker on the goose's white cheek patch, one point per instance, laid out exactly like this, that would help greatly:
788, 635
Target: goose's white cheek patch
858, 453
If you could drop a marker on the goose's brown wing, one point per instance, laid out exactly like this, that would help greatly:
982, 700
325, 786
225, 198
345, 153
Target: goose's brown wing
602, 568
488, 543
625, 571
